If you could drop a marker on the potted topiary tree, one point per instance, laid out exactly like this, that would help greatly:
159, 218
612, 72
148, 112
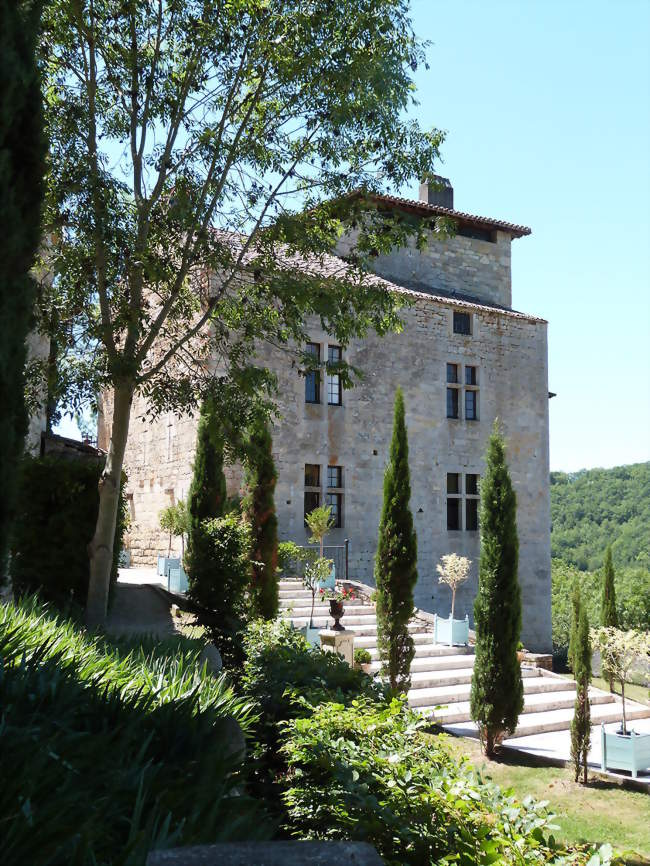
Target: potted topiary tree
453, 571
619, 651
362, 660
320, 521
316, 572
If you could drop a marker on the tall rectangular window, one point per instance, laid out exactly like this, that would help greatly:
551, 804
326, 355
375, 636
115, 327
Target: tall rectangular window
454, 501
471, 515
312, 488
312, 500
334, 476
462, 502
452, 374
334, 501
471, 406
470, 375
312, 475
452, 402
462, 323
334, 390
312, 379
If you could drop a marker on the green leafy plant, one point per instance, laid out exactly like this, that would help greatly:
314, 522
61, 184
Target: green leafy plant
293, 555
174, 519
317, 571
608, 614
497, 694
362, 656
56, 510
319, 521
396, 560
581, 664
620, 651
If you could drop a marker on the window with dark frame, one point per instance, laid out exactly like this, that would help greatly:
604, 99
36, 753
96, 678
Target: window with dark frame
452, 374
471, 515
334, 476
471, 413
312, 488
453, 515
462, 502
312, 379
312, 475
462, 323
312, 500
334, 390
452, 402
334, 501
470, 375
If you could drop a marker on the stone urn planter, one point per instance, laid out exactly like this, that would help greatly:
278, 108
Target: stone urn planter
620, 751
336, 612
453, 632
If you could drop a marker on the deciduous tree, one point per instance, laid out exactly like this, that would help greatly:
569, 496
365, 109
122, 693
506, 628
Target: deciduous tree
203, 154
497, 694
22, 166
396, 559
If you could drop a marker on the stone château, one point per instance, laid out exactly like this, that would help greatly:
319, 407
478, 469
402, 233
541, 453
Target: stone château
464, 358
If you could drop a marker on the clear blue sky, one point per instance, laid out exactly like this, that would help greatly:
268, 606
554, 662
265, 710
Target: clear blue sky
546, 105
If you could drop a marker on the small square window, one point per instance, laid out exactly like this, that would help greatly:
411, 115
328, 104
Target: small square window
312, 475
452, 373
312, 500
471, 485
462, 323
470, 376
471, 515
471, 413
334, 389
312, 379
452, 402
453, 482
335, 476
334, 502
453, 514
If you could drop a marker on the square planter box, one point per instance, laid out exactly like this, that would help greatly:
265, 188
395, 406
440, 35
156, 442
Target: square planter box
630, 752
176, 579
453, 632
165, 562
312, 635
330, 583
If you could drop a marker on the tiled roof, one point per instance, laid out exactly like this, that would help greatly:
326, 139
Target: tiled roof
516, 231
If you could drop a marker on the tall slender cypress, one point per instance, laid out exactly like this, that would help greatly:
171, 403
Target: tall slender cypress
575, 621
261, 478
497, 694
22, 166
581, 723
396, 560
608, 614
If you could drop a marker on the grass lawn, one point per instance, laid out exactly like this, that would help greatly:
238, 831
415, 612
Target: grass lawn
601, 812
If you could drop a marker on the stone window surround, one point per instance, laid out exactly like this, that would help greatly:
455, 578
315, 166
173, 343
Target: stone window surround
323, 489
461, 387
462, 496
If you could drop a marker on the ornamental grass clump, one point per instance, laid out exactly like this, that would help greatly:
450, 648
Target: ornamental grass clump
108, 752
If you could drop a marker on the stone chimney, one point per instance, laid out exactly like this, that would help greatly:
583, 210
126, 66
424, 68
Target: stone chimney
437, 190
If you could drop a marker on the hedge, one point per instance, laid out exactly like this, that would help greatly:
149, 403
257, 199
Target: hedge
57, 507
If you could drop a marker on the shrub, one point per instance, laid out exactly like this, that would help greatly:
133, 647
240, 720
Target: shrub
218, 576
365, 771
497, 694
108, 752
396, 560
362, 656
55, 520
293, 556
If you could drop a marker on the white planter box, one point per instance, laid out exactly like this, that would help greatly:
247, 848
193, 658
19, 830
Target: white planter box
312, 635
454, 632
630, 752
167, 562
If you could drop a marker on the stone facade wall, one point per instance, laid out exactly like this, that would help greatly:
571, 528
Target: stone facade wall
510, 354
467, 266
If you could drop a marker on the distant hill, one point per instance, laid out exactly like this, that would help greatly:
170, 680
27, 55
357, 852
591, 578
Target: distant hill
596, 507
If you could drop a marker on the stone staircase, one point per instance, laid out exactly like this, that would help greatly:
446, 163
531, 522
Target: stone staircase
441, 675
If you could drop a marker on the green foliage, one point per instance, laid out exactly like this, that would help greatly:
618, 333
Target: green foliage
581, 664
22, 165
259, 506
218, 577
175, 519
596, 508
319, 522
575, 622
608, 614
362, 656
364, 771
131, 752
396, 559
207, 495
497, 696
55, 519
632, 599
292, 556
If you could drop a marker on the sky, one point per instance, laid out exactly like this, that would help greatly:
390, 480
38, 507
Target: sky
546, 105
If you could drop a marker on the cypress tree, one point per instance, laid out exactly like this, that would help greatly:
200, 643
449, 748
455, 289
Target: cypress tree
581, 724
22, 165
396, 560
575, 620
608, 615
497, 695
261, 477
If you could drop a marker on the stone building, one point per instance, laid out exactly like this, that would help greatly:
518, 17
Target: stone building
464, 358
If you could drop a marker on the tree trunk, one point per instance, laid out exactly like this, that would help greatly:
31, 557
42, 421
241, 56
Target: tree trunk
453, 604
623, 701
100, 549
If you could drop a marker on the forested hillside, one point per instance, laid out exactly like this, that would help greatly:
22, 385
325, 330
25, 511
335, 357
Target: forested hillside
589, 510
597, 507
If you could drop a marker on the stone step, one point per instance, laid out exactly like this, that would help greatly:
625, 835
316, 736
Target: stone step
367, 629
324, 610
560, 720
452, 694
434, 662
322, 618
426, 688
290, 583
287, 594
423, 643
534, 704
